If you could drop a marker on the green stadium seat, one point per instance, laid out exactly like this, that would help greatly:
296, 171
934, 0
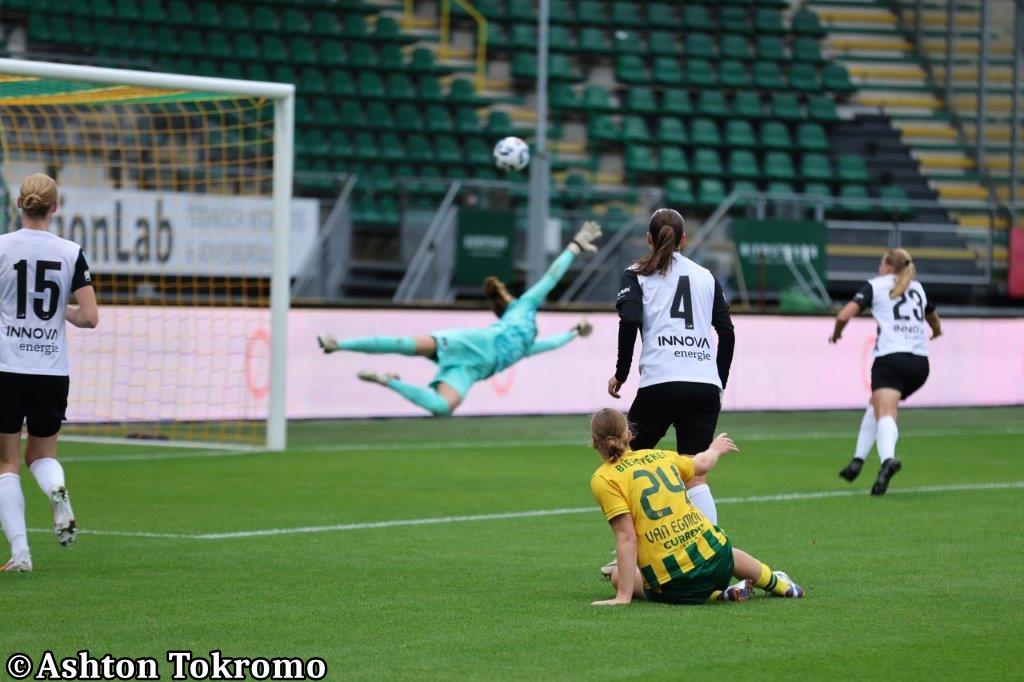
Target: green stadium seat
369, 85
390, 145
893, 200
400, 86
747, 104
805, 22
696, 18
303, 51
854, 200
820, 189
778, 187
407, 116
341, 83
596, 98
743, 164
785, 106
666, 71
779, 166
734, 74
332, 53
207, 14
558, 12
364, 146
733, 46
312, 81
233, 70
387, 30
418, 149
735, 20
699, 46
438, 119
152, 12
672, 130
641, 100
217, 45
662, 43
807, 50
523, 37
126, 10
562, 96
294, 20
424, 61
673, 161
837, 79
591, 12
630, 69
852, 168
634, 129
627, 42
822, 108
601, 128
770, 48
679, 192
519, 10
560, 39
739, 133
768, 21
350, 112
707, 163
390, 57
593, 39
235, 17
704, 132
355, 26
812, 137
561, 68
253, 71
743, 186
497, 37
262, 18
467, 122
462, 91
477, 152
340, 144
524, 66
767, 76
640, 160
626, 14
661, 14
712, 103
499, 124
804, 78
699, 74
362, 55
326, 24
816, 167
710, 192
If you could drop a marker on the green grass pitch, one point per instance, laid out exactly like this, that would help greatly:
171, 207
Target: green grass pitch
926, 581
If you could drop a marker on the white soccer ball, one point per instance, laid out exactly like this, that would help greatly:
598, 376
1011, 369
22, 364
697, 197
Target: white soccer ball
511, 154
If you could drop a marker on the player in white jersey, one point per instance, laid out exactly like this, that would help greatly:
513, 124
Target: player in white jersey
674, 303
39, 272
901, 309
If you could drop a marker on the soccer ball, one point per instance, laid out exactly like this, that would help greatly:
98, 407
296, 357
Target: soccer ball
511, 154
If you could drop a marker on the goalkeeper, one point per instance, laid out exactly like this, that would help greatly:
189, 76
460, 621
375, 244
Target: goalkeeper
466, 356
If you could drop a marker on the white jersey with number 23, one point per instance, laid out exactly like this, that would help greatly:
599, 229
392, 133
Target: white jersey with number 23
901, 323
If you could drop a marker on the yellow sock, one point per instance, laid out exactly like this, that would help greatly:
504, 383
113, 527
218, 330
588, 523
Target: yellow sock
770, 583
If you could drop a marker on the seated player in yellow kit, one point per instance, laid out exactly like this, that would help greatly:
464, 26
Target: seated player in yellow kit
680, 556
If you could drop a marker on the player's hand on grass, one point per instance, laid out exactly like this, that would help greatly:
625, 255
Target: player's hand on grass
723, 444
614, 385
589, 233
611, 602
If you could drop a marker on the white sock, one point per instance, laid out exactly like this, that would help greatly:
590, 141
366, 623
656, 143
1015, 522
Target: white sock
49, 474
888, 434
700, 497
866, 435
12, 513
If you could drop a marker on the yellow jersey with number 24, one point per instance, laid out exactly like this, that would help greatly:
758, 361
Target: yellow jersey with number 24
673, 537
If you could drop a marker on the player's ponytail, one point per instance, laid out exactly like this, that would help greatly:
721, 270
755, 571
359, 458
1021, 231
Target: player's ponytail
610, 434
666, 231
38, 195
903, 267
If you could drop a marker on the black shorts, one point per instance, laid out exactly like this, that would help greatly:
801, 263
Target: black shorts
37, 399
691, 407
904, 372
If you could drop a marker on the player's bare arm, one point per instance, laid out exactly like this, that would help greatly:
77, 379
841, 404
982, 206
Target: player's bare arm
85, 315
843, 317
703, 462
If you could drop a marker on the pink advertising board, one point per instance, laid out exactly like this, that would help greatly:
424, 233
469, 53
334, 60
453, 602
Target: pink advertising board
201, 364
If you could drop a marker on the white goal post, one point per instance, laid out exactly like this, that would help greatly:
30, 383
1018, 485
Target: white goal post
282, 97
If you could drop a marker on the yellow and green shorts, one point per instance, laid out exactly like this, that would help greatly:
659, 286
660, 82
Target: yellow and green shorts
696, 586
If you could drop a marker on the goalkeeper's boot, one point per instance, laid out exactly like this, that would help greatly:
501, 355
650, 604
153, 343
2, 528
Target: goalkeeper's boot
852, 470
19, 563
794, 591
327, 343
584, 328
377, 377
63, 517
741, 591
497, 293
890, 468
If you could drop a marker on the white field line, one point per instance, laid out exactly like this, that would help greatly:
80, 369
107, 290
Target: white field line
754, 436
440, 520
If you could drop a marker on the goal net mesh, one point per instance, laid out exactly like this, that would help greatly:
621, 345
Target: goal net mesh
168, 192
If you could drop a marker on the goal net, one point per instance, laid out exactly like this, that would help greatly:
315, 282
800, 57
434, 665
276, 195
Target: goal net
178, 190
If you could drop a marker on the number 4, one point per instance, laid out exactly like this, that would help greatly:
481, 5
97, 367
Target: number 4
682, 303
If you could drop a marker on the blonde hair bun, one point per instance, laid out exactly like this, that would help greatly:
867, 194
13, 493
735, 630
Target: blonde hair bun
38, 195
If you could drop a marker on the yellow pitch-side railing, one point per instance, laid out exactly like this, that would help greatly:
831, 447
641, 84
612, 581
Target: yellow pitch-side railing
444, 50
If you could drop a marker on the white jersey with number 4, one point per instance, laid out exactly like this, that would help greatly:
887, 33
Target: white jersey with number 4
38, 273
677, 311
901, 323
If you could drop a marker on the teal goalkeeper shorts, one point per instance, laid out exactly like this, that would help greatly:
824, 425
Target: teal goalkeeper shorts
464, 357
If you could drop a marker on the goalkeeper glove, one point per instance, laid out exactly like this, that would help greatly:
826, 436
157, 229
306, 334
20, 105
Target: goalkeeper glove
588, 234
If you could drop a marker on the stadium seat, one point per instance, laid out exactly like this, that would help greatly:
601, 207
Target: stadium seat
499, 123
779, 166
676, 102
666, 71
627, 42
707, 163
355, 26
734, 47
743, 186
350, 112
312, 81
640, 160
400, 87
272, 49
364, 146
767, 76
779, 187
837, 79
634, 129
673, 161
558, 12
852, 168
699, 73
438, 119
390, 145
770, 48
739, 133
822, 108
854, 200
816, 167
712, 103
262, 18
734, 74
151, 12
462, 91
388, 31
768, 21
819, 189
785, 106
630, 69
593, 39
743, 164
561, 39
661, 14
561, 68
662, 43
523, 37
602, 128
408, 117
704, 132
641, 100
206, 14
418, 149
362, 55
710, 192
626, 14
341, 83
591, 12
804, 78
699, 46
807, 50
332, 53
562, 96
696, 18
811, 137
477, 152
303, 51
805, 22
679, 192
326, 24
672, 130
893, 199
734, 20
596, 98
294, 20
747, 104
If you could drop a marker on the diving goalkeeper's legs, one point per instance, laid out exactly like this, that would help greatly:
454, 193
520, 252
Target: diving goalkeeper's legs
423, 346
439, 400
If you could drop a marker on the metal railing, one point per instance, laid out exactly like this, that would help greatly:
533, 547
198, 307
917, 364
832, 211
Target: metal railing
323, 273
